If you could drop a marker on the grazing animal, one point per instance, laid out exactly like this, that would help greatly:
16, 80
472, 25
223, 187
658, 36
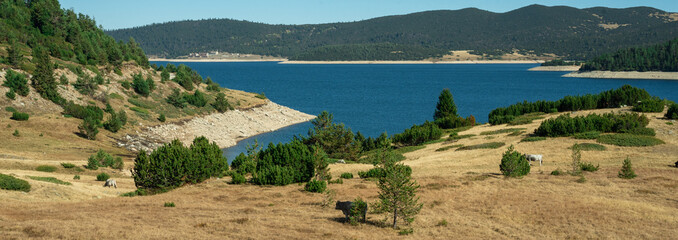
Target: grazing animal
345, 207
110, 183
341, 161
533, 158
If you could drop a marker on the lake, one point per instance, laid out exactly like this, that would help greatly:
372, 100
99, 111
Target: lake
373, 98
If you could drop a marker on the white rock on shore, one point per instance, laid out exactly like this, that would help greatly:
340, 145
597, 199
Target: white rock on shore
223, 128
625, 75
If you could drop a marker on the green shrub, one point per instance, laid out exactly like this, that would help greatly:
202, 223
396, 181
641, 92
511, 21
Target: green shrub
237, 178
221, 104
16, 133
19, 116
49, 179
81, 112
11, 94
589, 147
243, 164
357, 212
10, 109
489, 145
589, 167
46, 168
103, 176
274, 175
441, 223
626, 171
514, 164
126, 84
162, 118
11, 183
104, 159
89, 128
176, 99
625, 95
16, 82
197, 99
86, 85
669, 123
169, 204
261, 95
641, 131
581, 179
173, 165
67, 165
346, 175
76, 177
449, 147
629, 140
418, 134
338, 181
283, 164
564, 125
533, 139
315, 186
114, 123
406, 231
650, 105
557, 172
672, 113
587, 135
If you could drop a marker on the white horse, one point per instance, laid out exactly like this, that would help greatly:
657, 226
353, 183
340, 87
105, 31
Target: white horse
110, 183
533, 158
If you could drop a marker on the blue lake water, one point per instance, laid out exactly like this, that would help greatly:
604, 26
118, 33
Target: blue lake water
373, 98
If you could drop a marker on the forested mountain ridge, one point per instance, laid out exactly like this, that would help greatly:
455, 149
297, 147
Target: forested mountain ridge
661, 57
565, 31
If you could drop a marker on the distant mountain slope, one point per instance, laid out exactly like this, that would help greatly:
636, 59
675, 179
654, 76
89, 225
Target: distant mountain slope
565, 31
661, 57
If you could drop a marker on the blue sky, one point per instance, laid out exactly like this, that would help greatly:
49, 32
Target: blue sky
126, 13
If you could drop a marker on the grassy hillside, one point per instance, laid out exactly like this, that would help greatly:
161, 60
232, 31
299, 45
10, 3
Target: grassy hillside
463, 192
565, 31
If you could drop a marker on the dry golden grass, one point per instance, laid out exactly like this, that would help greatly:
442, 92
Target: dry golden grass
464, 188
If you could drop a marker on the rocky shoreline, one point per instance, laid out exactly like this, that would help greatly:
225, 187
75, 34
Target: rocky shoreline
555, 68
225, 129
625, 75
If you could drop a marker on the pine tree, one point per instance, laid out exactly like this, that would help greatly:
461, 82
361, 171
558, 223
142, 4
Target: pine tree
397, 195
43, 80
445, 107
626, 171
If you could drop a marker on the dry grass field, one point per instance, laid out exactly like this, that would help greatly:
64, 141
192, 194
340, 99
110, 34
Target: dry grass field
463, 192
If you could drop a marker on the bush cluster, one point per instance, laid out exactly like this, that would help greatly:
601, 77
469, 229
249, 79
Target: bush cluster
141, 86
46, 168
317, 186
283, 164
11, 183
104, 159
565, 125
244, 164
221, 104
173, 165
629, 140
672, 113
116, 121
650, 105
514, 164
103, 177
418, 134
335, 139
16, 82
455, 122
347, 175
369, 143
237, 178
19, 116
626, 95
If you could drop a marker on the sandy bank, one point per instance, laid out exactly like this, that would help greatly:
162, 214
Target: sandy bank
218, 60
625, 75
226, 129
555, 68
416, 62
